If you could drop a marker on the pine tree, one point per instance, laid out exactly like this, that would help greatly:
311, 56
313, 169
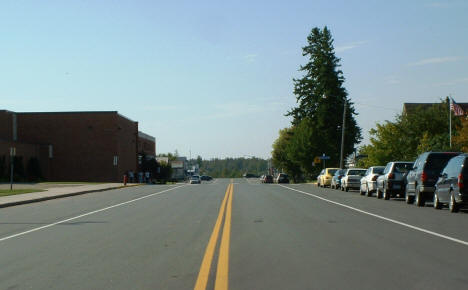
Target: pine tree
320, 96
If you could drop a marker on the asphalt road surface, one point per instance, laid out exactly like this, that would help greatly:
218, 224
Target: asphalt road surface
236, 234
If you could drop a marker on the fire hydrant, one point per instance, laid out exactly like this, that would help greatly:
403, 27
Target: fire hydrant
125, 179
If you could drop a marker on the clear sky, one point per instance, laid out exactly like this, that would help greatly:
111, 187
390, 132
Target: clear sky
215, 78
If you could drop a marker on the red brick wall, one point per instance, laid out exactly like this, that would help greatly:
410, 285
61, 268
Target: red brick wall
6, 125
126, 145
84, 143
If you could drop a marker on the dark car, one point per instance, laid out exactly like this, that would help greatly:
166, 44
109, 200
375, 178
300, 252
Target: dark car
268, 179
282, 178
392, 181
336, 179
421, 180
206, 177
450, 188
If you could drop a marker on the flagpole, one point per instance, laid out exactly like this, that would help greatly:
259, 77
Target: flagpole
450, 119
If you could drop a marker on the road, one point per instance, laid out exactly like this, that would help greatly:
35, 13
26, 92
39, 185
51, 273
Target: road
236, 234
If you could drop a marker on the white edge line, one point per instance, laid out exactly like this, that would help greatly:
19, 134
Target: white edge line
383, 218
86, 214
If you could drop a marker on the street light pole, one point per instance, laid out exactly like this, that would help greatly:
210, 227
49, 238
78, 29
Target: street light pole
12, 165
342, 134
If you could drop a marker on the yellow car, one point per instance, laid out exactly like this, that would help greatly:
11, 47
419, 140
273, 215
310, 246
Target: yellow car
325, 177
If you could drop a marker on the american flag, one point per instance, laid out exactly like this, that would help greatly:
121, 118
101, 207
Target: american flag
457, 110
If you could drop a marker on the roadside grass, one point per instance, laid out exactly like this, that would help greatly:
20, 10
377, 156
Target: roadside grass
70, 182
7, 192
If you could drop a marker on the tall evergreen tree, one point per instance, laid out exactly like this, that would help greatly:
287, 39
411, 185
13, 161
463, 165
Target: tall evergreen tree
320, 96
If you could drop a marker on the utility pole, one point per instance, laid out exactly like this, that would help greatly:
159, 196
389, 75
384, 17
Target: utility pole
342, 134
450, 120
12, 164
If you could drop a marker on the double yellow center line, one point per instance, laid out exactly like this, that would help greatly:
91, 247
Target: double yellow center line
221, 282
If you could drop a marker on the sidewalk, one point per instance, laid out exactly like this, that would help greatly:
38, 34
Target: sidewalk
55, 191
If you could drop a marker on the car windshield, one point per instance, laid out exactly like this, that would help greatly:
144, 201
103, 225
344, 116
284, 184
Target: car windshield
436, 162
403, 167
379, 170
357, 172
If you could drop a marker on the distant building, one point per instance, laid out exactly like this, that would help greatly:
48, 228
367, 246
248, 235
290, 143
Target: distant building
76, 146
179, 168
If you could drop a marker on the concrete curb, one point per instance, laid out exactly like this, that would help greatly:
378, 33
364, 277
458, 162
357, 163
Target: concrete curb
14, 203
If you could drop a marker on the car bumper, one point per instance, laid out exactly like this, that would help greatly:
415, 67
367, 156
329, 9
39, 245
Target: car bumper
353, 184
372, 186
427, 189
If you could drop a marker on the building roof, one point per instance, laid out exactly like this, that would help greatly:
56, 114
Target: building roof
146, 136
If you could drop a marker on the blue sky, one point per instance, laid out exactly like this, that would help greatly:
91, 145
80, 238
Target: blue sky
215, 78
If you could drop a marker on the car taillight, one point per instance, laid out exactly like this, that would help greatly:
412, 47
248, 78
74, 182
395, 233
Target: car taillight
339, 176
391, 176
423, 176
375, 177
460, 181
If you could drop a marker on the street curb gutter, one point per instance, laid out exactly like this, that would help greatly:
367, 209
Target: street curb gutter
14, 203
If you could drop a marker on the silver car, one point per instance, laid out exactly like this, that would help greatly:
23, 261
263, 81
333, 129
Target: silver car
352, 179
369, 181
195, 179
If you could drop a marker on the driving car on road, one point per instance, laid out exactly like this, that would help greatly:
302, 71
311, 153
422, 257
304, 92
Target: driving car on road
336, 179
352, 179
267, 179
326, 176
282, 178
195, 179
392, 182
421, 180
206, 177
369, 181
450, 187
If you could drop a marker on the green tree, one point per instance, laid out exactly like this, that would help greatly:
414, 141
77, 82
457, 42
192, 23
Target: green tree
321, 97
281, 155
412, 133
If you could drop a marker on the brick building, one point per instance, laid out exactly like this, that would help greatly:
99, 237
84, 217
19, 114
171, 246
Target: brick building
76, 146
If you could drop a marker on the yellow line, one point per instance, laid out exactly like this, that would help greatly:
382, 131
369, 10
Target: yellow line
222, 273
204, 273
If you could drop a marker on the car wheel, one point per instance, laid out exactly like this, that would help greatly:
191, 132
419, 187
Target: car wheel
342, 187
386, 194
378, 193
409, 199
346, 189
331, 186
453, 206
419, 199
437, 204
361, 192
368, 192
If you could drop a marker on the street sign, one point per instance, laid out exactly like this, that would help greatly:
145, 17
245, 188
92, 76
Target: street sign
325, 157
317, 159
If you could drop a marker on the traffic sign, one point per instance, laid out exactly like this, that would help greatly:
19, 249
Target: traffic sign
317, 160
325, 157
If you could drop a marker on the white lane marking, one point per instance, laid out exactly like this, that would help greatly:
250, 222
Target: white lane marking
383, 218
86, 214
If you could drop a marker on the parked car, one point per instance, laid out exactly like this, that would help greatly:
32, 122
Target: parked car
326, 176
369, 181
206, 177
336, 179
393, 179
262, 178
195, 179
268, 179
320, 177
352, 179
282, 178
421, 180
450, 187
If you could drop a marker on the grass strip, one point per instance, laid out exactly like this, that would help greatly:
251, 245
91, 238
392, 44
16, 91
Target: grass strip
7, 192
